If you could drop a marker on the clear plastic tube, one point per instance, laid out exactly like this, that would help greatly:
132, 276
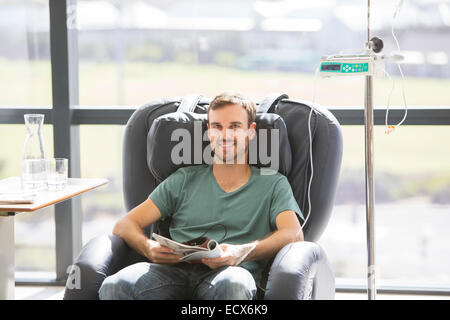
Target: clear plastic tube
391, 128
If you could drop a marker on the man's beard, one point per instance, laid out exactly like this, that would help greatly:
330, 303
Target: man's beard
236, 154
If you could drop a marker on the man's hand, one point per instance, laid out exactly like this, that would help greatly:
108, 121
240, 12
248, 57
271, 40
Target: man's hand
157, 253
288, 230
232, 255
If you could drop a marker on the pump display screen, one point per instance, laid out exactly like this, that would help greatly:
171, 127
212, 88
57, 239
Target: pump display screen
330, 67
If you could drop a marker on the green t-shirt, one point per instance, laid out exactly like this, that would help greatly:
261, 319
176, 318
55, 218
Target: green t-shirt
194, 200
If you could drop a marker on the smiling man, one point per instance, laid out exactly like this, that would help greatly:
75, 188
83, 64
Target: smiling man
251, 214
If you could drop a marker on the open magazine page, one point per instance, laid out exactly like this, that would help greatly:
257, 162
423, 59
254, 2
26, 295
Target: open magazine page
190, 253
177, 247
214, 250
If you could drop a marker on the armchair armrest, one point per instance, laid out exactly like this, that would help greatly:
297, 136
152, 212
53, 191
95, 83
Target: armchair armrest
101, 257
300, 270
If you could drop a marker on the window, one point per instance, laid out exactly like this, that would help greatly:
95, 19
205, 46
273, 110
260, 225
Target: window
102, 208
412, 202
143, 50
25, 76
25, 80
137, 51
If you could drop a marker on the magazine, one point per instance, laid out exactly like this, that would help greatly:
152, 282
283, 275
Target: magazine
193, 250
16, 198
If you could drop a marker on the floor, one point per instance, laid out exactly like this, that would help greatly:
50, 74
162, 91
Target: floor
56, 293
38, 293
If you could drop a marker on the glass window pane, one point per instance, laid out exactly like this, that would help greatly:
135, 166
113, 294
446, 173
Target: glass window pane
12, 139
103, 206
35, 241
142, 50
25, 76
412, 193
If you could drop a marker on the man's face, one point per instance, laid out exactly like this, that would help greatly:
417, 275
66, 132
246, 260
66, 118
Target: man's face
229, 134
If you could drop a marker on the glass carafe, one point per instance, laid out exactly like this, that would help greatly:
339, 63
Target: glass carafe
33, 158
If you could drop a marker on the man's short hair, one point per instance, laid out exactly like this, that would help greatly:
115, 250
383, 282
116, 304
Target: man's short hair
226, 98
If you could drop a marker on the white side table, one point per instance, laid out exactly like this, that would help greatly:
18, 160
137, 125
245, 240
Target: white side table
42, 199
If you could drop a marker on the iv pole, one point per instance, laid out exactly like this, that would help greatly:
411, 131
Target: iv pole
370, 196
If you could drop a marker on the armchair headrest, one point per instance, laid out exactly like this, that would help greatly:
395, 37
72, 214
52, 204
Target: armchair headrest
179, 139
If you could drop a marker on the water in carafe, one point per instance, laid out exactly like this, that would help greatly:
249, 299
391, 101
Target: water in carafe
33, 158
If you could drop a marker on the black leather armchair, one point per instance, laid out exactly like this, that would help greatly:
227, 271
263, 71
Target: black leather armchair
300, 270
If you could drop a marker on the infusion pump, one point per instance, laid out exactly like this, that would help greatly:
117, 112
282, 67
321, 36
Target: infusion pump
352, 65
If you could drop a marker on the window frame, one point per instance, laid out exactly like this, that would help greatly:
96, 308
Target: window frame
66, 116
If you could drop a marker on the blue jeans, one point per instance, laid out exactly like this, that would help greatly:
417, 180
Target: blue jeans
146, 280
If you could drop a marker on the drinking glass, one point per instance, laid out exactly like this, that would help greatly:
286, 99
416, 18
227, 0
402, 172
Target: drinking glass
57, 173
